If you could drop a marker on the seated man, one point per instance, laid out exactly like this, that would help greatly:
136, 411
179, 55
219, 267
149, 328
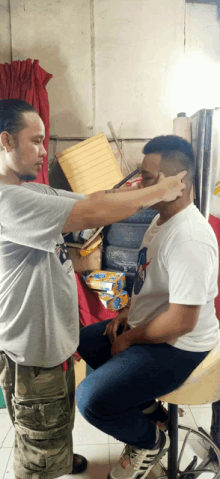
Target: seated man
154, 345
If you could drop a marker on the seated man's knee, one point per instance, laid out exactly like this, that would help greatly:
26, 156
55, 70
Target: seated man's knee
83, 399
90, 401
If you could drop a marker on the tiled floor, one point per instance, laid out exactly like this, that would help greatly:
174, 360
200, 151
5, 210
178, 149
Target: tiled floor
101, 450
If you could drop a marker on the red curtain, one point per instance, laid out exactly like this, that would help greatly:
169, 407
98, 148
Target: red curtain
27, 81
215, 223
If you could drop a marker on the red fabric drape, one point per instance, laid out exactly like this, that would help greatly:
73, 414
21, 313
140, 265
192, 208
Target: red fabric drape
215, 223
27, 81
91, 310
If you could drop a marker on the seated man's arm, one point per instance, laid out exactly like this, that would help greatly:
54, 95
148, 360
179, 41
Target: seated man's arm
178, 320
191, 270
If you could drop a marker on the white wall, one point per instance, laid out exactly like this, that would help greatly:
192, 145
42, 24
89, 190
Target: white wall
136, 63
5, 47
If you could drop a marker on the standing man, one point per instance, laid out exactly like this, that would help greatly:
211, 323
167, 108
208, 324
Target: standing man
39, 324
153, 346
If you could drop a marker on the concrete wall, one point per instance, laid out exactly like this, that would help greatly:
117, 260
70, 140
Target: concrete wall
136, 63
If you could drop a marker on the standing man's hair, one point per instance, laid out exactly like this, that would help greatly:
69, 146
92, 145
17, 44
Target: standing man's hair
11, 115
175, 152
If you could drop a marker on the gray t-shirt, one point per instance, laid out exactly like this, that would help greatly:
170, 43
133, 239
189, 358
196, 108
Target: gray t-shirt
39, 324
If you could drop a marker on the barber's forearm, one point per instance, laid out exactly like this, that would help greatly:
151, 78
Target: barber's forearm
134, 199
101, 194
103, 210
161, 329
122, 189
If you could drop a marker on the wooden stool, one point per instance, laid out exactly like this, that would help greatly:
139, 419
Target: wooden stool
201, 387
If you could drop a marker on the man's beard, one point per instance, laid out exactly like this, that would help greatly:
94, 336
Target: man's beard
27, 177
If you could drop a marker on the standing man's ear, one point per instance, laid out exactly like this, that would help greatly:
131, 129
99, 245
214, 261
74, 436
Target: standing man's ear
6, 141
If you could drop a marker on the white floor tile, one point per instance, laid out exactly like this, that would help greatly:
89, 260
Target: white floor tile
115, 451
207, 475
185, 418
5, 425
202, 417
3, 411
112, 440
9, 473
9, 439
156, 472
98, 462
202, 405
84, 433
4, 458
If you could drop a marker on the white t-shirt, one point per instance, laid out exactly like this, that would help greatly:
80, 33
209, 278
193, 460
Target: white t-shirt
39, 322
178, 263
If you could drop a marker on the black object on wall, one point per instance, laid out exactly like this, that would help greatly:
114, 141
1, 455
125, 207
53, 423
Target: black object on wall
57, 178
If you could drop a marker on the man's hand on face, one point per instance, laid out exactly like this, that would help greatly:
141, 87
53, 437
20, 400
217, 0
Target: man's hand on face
173, 186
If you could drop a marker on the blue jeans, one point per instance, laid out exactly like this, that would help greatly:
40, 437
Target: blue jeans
113, 396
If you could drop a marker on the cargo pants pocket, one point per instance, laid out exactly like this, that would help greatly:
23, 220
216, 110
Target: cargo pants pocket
43, 436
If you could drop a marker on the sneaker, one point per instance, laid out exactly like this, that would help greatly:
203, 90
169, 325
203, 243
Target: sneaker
158, 414
136, 463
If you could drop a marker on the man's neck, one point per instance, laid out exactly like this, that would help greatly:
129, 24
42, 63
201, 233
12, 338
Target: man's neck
9, 181
171, 209
7, 175
9, 178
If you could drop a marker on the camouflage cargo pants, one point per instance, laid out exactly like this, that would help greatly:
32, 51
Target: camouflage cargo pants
41, 404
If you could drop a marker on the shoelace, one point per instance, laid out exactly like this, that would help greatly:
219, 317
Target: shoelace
126, 451
136, 457
141, 460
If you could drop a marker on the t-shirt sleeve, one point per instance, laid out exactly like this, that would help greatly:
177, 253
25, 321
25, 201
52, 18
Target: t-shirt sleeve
191, 270
32, 218
41, 188
71, 195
